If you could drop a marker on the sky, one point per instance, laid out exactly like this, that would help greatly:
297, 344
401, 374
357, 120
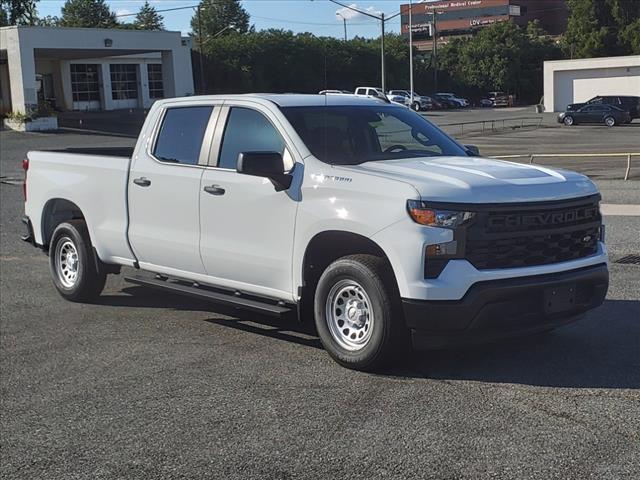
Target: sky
315, 16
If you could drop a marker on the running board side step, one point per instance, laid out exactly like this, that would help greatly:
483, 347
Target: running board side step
181, 287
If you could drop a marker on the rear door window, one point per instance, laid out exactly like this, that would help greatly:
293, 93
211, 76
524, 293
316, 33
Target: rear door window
181, 134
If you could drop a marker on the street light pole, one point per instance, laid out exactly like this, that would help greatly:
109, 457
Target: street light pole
382, 19
344, 20
200, 61
411, 51
383, 86
435, 52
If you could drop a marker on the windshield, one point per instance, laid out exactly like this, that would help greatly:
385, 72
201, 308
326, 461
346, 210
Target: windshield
349, 135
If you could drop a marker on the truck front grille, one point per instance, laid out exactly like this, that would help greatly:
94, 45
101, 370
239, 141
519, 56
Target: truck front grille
533, 234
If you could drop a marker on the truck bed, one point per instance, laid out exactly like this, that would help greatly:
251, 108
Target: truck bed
95, 181
98, 151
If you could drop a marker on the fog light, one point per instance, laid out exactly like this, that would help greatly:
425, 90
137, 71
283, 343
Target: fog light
439, 249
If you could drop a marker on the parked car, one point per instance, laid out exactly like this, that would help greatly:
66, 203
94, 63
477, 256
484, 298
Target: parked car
372, 92
457, 101
437, 104
358, 215
335, 92
486, 102
499, 99
419, 102
610, 115
628, 103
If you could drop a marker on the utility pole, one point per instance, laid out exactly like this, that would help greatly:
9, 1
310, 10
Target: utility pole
411, 52
384, 89
201, 62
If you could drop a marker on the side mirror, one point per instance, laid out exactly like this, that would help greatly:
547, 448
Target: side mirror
472, 150
265, 164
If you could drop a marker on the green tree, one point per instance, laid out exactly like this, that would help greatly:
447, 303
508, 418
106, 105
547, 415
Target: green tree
87, 13
630, 37
148, 18
213, 16
503, 57
599, 28
18, 12
4, 17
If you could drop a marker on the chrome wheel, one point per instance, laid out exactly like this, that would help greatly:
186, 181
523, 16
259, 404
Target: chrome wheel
67, 262
349, 313
568, 121
610, 121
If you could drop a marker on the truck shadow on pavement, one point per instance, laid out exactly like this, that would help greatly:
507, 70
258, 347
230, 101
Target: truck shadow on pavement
600, 351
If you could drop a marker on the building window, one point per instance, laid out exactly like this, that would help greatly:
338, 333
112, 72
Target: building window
156, 88
124, 81
84, 83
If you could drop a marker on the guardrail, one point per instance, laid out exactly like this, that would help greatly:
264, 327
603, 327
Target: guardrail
493, 123
531, 156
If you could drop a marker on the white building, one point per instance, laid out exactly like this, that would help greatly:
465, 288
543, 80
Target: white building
575, 81
91, 68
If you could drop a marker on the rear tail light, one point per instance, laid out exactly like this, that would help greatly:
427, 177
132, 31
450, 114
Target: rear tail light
25, 167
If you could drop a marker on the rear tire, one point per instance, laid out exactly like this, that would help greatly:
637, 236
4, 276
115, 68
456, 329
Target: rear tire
73, 264
609, 121
357, 313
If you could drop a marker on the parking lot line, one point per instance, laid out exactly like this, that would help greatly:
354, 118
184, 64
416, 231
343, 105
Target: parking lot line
620, 209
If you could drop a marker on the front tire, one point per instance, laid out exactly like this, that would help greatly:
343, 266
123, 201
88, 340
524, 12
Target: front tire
568, 120
357, 313
415, 107
73, 266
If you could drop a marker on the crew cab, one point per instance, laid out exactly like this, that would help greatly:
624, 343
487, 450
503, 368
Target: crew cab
360, 216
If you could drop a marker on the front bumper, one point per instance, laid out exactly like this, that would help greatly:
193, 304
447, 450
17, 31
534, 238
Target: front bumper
496, 309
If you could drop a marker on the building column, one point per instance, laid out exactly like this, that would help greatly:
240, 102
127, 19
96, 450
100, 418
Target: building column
66, 102
143, 77
22, 78
106, 95
168, 74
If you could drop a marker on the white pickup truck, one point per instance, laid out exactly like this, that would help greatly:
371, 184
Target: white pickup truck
360, 215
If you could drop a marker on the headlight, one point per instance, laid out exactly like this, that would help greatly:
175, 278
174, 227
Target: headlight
435, 217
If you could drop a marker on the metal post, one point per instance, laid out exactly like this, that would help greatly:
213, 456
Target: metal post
345, 28
626, 174
202, 86
411, 51
383, 86
531, 158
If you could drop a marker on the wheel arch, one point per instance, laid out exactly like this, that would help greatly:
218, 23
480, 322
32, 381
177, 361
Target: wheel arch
326, 247
56, 211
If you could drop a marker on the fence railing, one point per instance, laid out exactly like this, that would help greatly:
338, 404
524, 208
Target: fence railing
516, 122
531, 156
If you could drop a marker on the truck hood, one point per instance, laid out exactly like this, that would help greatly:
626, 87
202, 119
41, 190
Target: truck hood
480, 180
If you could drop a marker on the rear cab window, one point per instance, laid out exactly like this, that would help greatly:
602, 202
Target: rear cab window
180, 137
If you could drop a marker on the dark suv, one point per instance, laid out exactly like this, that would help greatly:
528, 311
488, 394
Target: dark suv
628, 103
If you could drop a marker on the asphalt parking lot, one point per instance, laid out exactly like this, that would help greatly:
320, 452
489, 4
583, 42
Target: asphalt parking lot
141, 386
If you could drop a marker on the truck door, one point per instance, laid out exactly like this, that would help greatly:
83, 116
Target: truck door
247, 228
164, 185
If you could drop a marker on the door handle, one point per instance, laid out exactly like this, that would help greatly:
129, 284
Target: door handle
214, 189
142, 181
